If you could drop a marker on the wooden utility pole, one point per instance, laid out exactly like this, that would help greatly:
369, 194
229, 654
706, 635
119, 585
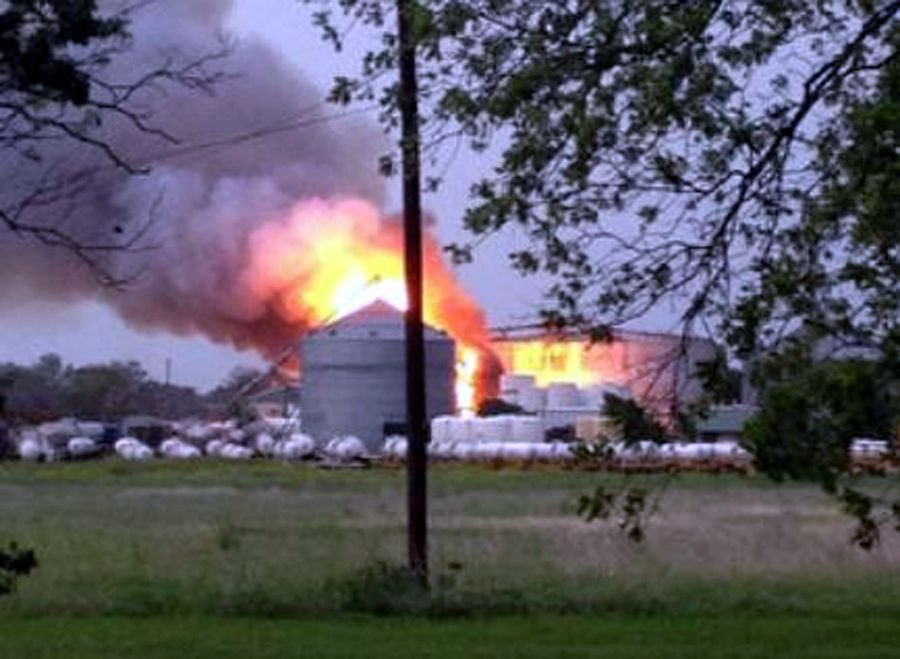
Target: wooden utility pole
416, 459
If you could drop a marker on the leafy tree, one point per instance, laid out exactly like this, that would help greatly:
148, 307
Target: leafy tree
633, 421
34, 394
810, 412
36, 48
698, 147
737, 158
722, 383
49, 367
630, 505
49, 390
106, 392
169, 401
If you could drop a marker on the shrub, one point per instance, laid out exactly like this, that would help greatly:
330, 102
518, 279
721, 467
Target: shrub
14, 563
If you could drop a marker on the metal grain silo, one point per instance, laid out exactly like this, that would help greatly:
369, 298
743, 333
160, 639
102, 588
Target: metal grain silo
354, 375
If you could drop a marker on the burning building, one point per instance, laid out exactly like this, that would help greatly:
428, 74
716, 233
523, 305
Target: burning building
353, 371
659, 370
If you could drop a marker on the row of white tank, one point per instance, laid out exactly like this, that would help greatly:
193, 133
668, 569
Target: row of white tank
293, 446
396, 447
515, 428
34, 447
231, 431
865, 447
522, 390
299, 446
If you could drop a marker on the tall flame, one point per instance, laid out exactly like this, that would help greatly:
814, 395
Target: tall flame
330, 258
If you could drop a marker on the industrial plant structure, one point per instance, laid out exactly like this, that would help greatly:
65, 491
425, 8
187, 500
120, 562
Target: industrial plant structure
353, 375
659, 370
354, 379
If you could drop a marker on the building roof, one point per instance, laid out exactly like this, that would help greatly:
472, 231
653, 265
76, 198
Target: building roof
539, 331
378, 320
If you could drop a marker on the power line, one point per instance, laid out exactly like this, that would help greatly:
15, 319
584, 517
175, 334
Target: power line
256, 134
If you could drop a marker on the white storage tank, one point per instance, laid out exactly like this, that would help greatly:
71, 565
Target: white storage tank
131, 448
345, 448
230, 451
296, 447
533, 399
82, 447
563, 395
490, 451
177, 449
441, 450
526, 429
561, 451
517, 451
491, 429
440, 428
513, 386
354, 375
31, 449
460, 430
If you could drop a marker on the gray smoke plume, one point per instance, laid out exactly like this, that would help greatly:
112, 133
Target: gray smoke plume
194, 215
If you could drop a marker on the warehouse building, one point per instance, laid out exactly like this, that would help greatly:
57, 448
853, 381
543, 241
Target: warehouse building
659, 370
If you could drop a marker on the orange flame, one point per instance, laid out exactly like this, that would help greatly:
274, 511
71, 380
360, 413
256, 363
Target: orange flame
550, 361
330, 258
575, 361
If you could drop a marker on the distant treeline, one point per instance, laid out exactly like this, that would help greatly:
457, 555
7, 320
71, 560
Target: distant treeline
50, 389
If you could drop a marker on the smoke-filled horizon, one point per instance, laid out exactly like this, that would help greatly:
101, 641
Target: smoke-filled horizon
232, 235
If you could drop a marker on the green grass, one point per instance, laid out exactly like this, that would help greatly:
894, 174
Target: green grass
273, 540
541, 638
270, 560
116, 473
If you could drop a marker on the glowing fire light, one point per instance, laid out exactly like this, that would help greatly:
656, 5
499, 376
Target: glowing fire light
328, 259
356, 292
467, 379
573, 361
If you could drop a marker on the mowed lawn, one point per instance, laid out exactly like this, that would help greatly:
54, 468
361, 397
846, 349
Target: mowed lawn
538, 637
275, 560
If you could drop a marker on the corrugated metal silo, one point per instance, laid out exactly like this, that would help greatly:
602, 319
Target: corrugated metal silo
354, 375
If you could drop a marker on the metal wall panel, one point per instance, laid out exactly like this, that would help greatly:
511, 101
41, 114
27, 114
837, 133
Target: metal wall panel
353, 376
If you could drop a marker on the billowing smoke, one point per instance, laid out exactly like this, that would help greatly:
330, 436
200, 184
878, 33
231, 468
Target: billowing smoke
198, 214
263, 221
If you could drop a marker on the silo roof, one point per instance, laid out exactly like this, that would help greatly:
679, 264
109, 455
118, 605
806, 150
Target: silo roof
378, 320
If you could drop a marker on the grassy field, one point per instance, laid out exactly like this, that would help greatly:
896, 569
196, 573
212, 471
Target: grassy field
542, 638
144, 560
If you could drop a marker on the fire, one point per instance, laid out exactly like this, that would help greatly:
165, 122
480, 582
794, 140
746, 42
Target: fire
467, 379
551, 361
561, 360
357, 292
330, 258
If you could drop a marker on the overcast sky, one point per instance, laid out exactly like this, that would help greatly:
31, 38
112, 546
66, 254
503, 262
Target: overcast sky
89, 332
